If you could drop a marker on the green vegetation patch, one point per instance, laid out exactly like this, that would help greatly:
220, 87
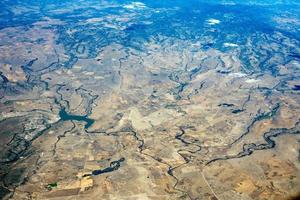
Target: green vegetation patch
52, 185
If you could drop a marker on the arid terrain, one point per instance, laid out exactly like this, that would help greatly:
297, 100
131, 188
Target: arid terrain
137, 101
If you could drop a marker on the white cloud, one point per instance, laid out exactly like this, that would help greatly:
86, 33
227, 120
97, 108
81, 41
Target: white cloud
238, 74
252, 81
213, 21
135, 5
230, 45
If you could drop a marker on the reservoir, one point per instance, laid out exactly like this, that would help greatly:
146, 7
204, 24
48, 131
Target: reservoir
68, 117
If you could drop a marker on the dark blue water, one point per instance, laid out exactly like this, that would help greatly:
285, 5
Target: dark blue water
296, 87
68, 117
